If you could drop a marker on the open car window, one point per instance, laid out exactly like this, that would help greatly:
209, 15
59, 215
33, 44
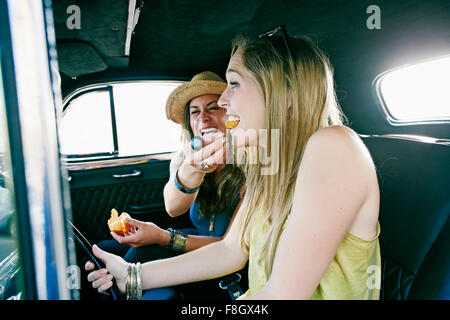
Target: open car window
119, 119
86, 126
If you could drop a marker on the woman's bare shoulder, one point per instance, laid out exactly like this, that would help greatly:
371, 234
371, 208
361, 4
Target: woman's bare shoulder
338, 153
341, 153
336, 133
340, 141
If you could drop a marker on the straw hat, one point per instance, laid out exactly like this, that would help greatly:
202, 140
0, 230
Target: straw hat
206, 82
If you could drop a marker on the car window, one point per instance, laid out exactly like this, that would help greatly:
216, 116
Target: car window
417, 93
124, 119
86, 125
9, 256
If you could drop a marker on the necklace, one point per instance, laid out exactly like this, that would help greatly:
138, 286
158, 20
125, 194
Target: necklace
211, 224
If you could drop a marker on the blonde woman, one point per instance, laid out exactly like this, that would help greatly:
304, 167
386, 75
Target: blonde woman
309, 230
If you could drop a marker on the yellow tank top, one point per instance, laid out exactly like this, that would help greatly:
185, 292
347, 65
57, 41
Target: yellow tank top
354, 273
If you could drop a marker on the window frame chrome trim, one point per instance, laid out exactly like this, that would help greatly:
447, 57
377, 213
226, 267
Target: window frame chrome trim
93, 86
409, 137
91, 164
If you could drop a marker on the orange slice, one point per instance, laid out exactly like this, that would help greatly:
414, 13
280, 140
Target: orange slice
230, 124
118, 223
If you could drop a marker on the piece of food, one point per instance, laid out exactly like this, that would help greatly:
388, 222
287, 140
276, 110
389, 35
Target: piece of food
230, 124
118, 223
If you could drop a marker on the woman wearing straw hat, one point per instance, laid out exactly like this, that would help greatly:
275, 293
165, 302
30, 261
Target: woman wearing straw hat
209, 190
200, 179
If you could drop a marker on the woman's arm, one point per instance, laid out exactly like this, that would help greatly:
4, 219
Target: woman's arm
177, 202
208, 262
332, 184
147, 233
190, 173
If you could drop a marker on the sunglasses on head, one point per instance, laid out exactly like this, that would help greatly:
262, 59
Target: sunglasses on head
284, 36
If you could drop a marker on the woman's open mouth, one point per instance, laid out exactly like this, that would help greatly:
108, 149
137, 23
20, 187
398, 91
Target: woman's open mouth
208, 130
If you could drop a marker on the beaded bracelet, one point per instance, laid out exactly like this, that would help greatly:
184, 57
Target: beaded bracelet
172, 234
177, 240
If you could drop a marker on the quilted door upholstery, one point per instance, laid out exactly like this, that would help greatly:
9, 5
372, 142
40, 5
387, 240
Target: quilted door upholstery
91, 206
95, 192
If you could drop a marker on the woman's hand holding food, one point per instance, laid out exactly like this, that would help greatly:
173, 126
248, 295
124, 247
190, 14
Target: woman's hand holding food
142, 233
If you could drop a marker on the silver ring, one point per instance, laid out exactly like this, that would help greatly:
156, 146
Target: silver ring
205, 165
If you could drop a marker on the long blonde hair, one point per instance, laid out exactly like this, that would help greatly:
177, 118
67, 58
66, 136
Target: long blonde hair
308, 87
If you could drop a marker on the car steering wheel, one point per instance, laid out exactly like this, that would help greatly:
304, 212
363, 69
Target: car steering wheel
82, 242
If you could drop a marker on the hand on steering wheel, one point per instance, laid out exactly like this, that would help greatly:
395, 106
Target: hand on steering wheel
115, 268
84, 244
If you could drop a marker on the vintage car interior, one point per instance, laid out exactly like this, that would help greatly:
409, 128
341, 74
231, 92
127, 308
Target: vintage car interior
104, 46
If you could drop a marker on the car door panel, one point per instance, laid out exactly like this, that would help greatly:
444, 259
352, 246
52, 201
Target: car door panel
95, 191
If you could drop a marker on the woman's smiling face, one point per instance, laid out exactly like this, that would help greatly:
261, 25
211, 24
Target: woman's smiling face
243, 101
206, 114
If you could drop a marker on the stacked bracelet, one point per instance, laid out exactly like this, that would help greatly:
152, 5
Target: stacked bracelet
178, 240
139, 281
134, 282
